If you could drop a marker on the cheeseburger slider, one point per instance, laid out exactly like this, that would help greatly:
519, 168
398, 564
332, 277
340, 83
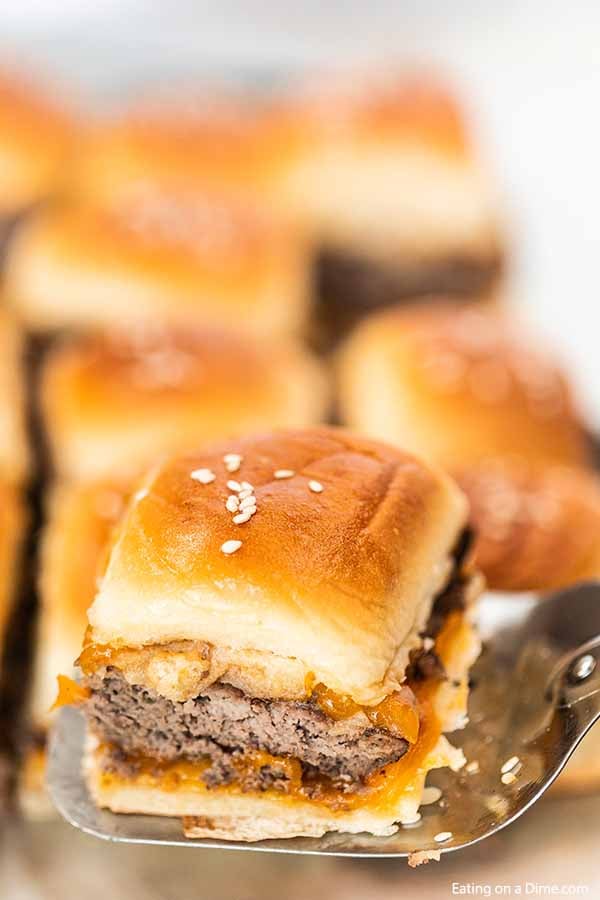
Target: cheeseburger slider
160, 257
280, 652
458, 385
394, 192
113, 403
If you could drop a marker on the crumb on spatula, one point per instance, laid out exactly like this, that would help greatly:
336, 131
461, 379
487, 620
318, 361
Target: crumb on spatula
422, 857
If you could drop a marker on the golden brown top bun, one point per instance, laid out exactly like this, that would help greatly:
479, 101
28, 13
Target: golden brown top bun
413, 107
537, 527
456, 386
194, 143
14, 449
115, 403
335, 573
79, 521
161, 257
36, 135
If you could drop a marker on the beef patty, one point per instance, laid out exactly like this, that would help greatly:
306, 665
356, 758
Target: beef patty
350, 286
223, 722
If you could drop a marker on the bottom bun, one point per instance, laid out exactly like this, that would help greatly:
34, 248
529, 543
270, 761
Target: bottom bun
230, 814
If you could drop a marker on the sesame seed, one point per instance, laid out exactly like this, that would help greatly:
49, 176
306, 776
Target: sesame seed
472, 768
230, 547
315, 486
243, 494
442, 836
410, 823
204, 476
510, 764
508, 778
232, 503
242, 517
250, 510
247, 502
284, 473
428, 643
430, 795
246, 486
232, 461
234, 486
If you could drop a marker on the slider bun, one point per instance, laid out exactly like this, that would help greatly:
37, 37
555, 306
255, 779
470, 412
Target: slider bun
336, 583
537, 527
36, 135
113, 404
457, 386
14, 449
222, 143
159, 257
79, 522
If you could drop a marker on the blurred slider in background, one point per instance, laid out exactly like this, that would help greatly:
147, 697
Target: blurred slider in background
378, 173
469, 390
160, 257
112, 405
37, 138
458, 385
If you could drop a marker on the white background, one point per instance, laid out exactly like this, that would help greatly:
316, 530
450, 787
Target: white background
531, 71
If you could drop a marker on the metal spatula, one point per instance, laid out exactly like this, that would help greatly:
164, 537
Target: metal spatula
535, 694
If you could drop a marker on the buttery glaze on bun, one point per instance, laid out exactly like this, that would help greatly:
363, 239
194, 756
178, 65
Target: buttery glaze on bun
160, 257
334, 574
537, 526
114, 403
457, 386
36, 136
14, 449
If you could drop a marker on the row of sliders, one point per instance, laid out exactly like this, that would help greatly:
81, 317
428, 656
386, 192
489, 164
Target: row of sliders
293, 214
456, 386
284, 219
